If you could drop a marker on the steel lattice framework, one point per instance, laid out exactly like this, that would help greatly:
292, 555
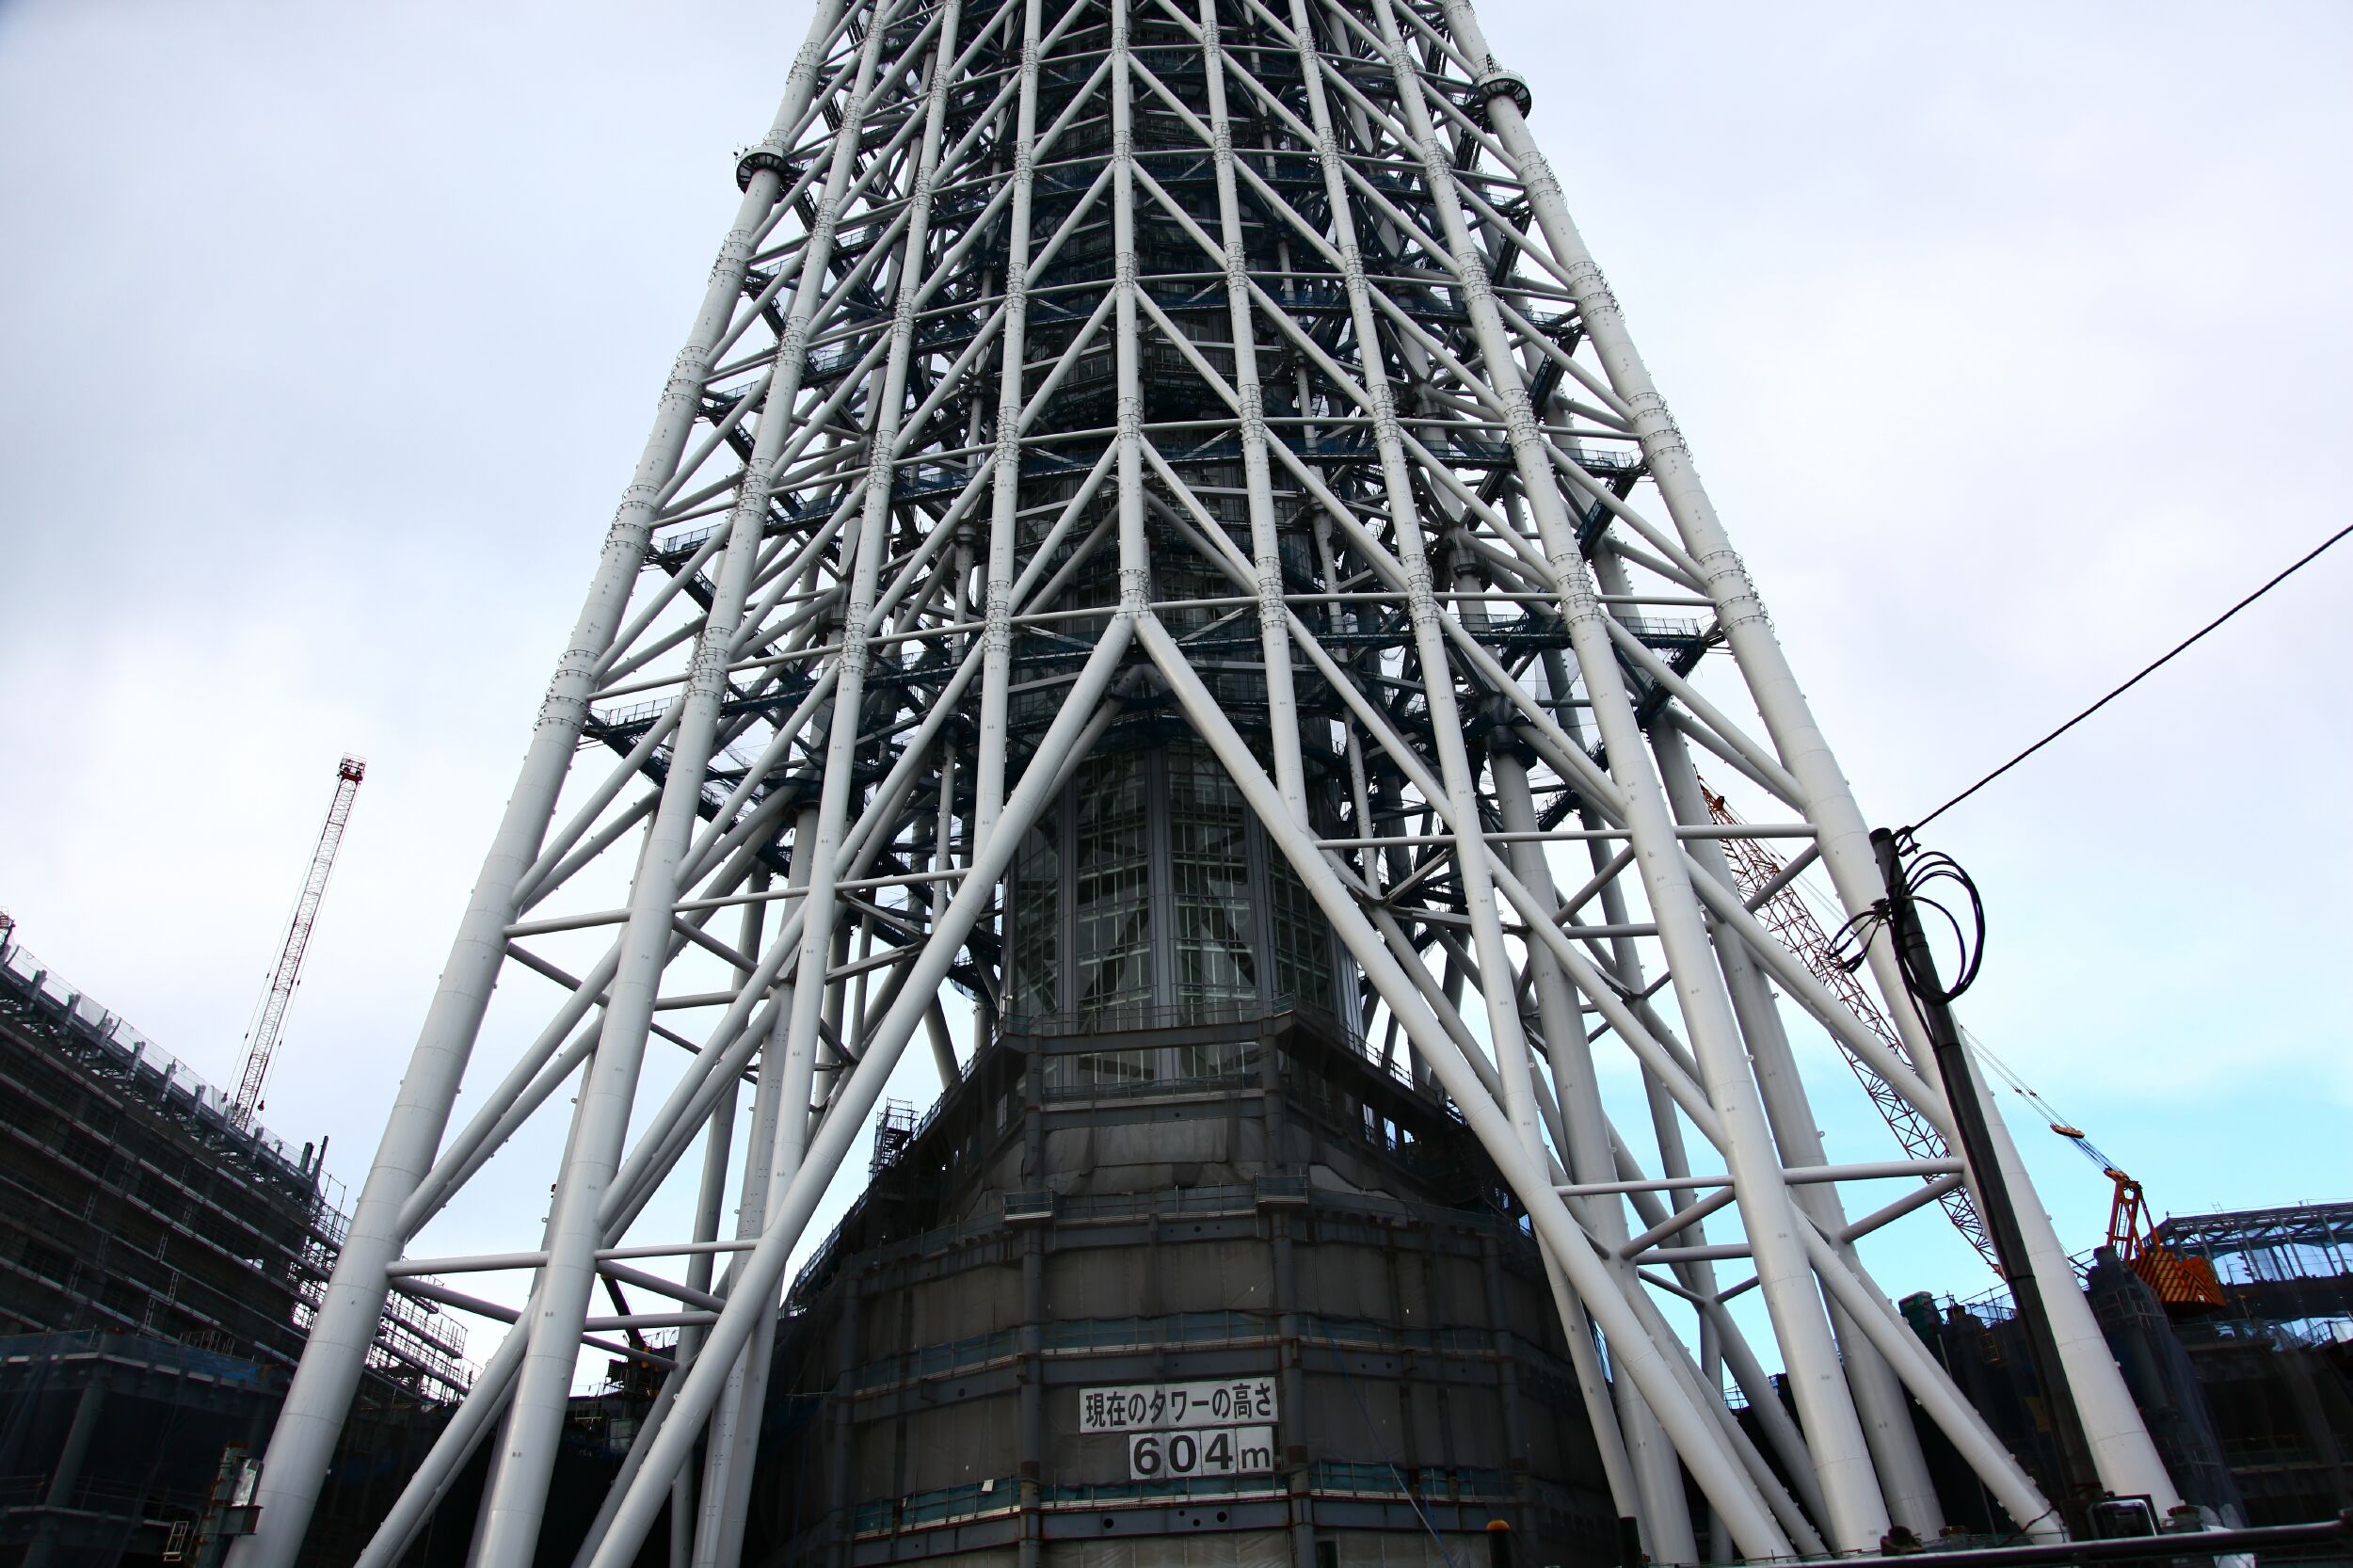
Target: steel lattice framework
1774, 898
1082, 372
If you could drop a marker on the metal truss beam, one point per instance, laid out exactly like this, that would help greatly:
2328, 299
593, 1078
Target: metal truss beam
1076, 373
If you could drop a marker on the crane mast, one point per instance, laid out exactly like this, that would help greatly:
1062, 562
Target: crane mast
262, 1039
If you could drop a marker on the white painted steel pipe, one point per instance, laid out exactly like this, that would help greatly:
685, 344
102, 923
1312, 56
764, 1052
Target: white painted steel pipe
304, 1438
1073, 734
1637, 1355
535, 1411
1903, 1470
2127, 1460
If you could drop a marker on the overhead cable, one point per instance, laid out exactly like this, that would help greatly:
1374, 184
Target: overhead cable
2145, 672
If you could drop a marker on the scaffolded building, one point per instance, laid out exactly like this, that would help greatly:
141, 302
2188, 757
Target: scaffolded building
1158, 518
135, 1205
2285, 1269
2275, 1361
160, 1263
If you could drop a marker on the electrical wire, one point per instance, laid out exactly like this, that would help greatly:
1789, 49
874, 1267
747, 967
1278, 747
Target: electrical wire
1925, 872
1922, 873
2146, 671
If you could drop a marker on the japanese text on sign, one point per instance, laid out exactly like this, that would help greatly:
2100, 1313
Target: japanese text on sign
1213, 1451
1160, 1406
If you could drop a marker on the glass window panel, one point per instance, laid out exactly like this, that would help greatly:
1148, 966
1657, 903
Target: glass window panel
1209, 864
1037, 956
1113, 887
1114, 1069
1302, 943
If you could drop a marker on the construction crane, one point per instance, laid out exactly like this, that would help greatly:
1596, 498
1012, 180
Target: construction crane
2182, 1282
1759, 871
270, 1017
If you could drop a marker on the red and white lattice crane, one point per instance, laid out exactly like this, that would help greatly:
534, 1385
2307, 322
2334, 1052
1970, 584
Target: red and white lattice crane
262, 1039
1775, 899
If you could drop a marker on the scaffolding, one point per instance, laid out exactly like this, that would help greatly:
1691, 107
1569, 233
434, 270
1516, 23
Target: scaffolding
135, 1205
2288, 1270
2252, 1400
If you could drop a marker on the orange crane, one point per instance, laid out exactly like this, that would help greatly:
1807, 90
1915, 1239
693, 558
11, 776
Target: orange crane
2182, 1282
270, 1017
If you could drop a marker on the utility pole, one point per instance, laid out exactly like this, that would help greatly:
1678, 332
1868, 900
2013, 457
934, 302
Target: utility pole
2078, 1482
262, 1039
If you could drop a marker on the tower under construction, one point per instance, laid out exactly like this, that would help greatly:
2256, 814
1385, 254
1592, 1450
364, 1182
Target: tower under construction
1160, 572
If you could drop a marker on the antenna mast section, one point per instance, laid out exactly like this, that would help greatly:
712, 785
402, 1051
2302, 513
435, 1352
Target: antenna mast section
262, 1039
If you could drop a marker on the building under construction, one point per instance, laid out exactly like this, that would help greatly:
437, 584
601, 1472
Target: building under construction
1098, 1221
160, 1266
2236, 1343
2275, 1360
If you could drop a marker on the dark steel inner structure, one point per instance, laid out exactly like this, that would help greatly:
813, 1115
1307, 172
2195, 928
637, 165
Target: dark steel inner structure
1213, 1202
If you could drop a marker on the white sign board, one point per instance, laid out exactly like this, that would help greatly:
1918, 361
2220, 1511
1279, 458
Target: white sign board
1176, 1406
1203, 1451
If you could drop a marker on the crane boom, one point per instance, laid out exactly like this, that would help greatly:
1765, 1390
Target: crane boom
262, 1039
1757, 869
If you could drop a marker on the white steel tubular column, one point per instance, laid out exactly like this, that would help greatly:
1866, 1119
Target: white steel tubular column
2127, 1460
559, 1302
303, 1440
1073, 731
727, 1473
1005, 475
1834, 1435
781, 1119
1266, 559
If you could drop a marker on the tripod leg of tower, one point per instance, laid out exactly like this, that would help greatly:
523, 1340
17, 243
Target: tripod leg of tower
780, 1127
304, 1438
1904, 1471
1075, 730
2128, 1460
1665, 1517
719, 1150
1858, 1517
1640, 1359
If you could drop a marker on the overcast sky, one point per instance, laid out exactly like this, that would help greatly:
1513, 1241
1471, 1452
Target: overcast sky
2011, 339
